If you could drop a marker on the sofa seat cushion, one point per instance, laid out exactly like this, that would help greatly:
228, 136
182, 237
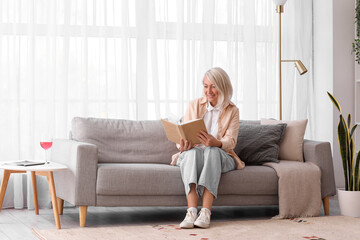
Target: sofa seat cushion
162, 179
252, 180
139, 179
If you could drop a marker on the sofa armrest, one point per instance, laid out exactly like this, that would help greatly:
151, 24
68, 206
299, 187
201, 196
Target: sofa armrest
77, 185
319, 153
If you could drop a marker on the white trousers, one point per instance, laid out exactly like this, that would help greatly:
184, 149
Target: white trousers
203, 167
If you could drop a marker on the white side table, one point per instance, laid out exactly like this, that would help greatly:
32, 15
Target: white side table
41, 170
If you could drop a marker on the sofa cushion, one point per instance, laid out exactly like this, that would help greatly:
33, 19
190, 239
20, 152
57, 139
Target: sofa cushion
291, 146
139, 179
257, 144
251, 180
254, 122
125, 141
163, 179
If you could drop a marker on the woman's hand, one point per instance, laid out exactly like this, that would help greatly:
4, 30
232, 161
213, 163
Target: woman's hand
185, 145
208, 140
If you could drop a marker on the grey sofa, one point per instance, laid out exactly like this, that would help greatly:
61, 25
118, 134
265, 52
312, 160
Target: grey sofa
126, 163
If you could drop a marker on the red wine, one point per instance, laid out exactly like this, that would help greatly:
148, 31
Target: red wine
46, 145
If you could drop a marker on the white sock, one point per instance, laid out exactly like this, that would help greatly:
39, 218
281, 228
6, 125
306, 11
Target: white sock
193, 209
207, 209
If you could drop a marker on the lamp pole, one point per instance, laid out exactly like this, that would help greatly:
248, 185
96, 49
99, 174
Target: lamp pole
298, 64
280, 9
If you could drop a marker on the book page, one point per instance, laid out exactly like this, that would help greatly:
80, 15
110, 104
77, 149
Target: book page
173, 118
190, 121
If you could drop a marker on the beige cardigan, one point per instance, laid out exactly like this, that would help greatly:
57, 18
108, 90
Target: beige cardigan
228, 126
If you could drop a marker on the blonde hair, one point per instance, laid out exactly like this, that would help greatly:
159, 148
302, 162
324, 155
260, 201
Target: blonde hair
221, 80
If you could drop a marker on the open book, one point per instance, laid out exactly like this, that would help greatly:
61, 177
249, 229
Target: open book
187, 131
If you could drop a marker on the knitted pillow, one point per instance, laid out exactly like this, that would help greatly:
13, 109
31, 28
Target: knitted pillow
291, 147
257, 144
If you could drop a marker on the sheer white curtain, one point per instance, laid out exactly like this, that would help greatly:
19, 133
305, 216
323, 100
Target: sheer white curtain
138, 59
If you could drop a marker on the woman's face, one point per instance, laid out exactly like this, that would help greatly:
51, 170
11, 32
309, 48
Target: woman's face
210, 91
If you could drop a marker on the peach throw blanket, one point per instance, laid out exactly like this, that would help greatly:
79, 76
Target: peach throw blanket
299, 188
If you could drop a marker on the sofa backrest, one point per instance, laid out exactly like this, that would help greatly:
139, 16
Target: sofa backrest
125, 141
256, 122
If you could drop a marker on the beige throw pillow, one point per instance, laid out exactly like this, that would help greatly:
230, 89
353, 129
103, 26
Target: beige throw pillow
291, 145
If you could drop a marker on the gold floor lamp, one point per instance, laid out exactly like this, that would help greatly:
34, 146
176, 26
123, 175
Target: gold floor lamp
298, 64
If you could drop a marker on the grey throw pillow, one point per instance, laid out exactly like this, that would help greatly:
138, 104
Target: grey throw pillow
257, 144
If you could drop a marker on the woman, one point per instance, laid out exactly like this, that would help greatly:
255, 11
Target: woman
201, 165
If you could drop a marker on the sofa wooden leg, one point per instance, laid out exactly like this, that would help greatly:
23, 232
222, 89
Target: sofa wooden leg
60, 203
326, 206
83, 212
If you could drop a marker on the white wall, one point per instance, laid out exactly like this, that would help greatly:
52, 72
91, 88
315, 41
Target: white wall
323, 70
344, 72
333, 69
323, 67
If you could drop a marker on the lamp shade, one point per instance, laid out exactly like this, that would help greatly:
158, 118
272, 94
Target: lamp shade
279, 2
300, 67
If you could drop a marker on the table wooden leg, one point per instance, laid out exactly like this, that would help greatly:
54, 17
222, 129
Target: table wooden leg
4, 183
36, 204
50, 179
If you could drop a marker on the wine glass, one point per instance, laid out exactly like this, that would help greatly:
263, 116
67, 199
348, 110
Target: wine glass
46, 143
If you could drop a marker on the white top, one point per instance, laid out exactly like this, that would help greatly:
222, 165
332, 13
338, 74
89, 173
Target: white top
211, 119
51, 166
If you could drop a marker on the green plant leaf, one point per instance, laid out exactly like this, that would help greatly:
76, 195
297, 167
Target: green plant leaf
353, 130
335, 102
349, 120
351, 164
356, 173
357, 18
356, 46
343, 138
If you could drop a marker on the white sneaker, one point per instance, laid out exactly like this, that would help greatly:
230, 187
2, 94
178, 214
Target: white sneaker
203, 220
189, 219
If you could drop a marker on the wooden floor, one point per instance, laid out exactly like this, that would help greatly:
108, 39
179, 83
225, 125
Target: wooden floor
17, 224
